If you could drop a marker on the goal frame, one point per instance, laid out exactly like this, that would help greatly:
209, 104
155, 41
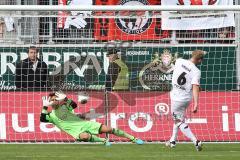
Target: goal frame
141, 8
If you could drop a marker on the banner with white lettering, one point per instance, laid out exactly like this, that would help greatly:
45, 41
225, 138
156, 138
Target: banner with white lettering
195, 20
142, 114
73, 19
85, 68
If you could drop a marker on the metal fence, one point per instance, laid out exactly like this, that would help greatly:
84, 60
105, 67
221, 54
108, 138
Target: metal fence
34, 29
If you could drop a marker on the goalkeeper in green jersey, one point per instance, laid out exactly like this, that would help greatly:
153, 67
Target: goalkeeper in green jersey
62, 115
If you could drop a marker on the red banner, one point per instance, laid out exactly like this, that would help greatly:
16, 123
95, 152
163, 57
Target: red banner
61, 14
145, 115
130, 25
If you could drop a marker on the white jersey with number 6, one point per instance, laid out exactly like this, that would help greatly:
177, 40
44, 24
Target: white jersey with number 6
185, 74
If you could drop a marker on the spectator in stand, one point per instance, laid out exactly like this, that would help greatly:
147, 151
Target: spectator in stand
117, 77
31, 73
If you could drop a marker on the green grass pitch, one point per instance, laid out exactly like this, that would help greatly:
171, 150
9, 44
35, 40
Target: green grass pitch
117, 152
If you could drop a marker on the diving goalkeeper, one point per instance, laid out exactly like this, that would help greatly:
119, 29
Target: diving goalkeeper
62, 116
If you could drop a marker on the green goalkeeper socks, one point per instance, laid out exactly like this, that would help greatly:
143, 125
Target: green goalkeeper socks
94, 138
121, 133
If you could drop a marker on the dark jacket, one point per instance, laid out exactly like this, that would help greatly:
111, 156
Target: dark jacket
112, 75
27, 78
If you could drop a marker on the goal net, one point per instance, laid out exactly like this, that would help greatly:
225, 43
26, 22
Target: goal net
75, 45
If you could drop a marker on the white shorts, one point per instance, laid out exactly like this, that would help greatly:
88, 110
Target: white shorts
178, 109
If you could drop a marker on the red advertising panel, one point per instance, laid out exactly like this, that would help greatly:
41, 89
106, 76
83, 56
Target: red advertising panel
143, 114
147, 115
129, 25
20, 113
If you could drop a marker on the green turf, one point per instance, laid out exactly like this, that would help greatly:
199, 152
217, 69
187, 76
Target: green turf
117, 152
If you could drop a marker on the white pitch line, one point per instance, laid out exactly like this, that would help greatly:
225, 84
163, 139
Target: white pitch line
176, 155
234, 151
42, 156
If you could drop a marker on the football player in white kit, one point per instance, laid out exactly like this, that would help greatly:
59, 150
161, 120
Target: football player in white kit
185, 85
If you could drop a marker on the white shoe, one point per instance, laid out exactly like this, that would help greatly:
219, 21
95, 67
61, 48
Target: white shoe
171, 144
198, 145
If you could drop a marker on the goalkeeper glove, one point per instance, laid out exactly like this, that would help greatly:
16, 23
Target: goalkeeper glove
60, 96
46, 101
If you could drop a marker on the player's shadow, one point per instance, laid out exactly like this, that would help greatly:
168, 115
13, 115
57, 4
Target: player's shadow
121, 99
109, 102
106, 106
130, 97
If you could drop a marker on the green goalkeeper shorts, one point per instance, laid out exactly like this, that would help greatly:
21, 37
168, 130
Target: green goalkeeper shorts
76, 128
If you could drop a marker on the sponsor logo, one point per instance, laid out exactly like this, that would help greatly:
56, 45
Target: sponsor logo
153, 120
132, 53
161, 109
190, 52
133, 22
158, 74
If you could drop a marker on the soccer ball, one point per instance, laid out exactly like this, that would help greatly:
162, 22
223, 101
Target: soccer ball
83, 97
